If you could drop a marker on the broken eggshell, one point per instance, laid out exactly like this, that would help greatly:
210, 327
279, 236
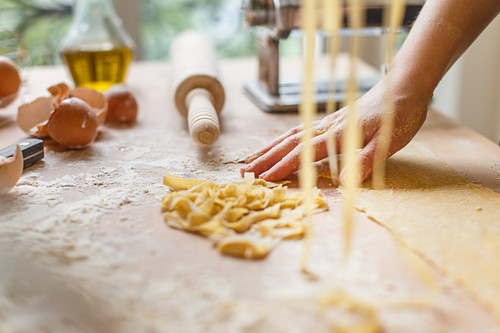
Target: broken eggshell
32, 117
11, 170
35, 117
59, 91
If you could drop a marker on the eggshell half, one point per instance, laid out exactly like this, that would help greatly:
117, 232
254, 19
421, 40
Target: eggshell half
11, 170
32, 117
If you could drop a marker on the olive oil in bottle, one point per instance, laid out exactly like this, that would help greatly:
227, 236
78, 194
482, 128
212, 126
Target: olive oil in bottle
97, 50
97, 69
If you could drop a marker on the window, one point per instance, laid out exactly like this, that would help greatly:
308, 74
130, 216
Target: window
38, 26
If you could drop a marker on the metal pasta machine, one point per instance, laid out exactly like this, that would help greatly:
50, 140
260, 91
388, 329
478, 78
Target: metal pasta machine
275, 20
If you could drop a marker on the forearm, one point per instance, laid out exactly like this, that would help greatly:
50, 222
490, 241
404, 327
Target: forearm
440, 35
442, 32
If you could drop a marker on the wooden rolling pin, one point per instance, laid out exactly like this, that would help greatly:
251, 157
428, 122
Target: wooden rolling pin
199, 95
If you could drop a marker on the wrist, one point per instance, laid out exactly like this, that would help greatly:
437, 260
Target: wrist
418, 86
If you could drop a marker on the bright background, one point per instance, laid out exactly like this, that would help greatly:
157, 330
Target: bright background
152, 23
470, 92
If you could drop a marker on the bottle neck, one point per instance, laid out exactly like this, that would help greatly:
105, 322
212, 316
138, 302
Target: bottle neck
96, 25
93, 13
95, 8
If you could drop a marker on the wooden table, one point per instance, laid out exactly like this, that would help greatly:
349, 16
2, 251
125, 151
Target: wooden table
83, 244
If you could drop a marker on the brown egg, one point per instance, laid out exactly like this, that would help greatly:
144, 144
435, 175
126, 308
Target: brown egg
73, 124
95, 99
10, 81
122, 106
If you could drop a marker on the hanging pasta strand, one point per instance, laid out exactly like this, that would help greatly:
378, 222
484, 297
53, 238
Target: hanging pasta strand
307, 173
351, 140
332, 21
395, 20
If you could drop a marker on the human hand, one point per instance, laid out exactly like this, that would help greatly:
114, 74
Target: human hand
281, 157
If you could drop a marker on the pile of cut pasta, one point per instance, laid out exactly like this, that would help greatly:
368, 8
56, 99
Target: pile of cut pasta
245, 219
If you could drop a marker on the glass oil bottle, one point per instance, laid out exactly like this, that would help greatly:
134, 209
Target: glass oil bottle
97, 50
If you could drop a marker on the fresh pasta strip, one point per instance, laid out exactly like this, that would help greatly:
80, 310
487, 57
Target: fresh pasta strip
229, 214
179, 183
242, 247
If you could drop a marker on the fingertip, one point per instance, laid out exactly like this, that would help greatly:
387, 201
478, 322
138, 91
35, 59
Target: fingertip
246, 168
270, 176
263, 176
366, 171
278, 172
366, 167
250, 168
251, 158
342, 176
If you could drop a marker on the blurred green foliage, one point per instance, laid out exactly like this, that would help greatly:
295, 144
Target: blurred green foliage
38, 26
33, 29
221, 20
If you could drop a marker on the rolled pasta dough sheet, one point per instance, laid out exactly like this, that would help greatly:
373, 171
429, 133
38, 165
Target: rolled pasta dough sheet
453, 223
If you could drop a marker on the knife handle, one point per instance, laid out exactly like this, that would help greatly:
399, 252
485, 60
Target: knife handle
32, 150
